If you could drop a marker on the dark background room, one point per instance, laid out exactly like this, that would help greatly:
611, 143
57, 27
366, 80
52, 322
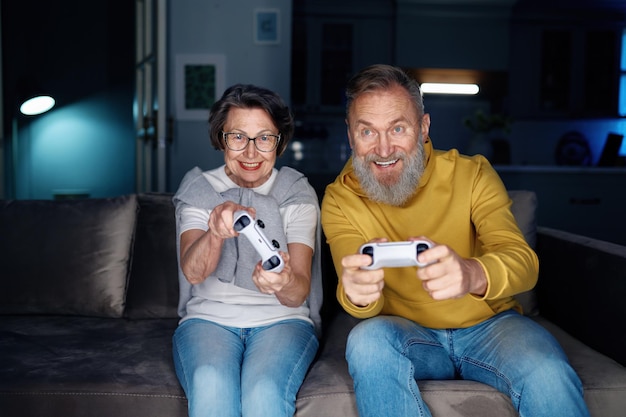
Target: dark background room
549, 113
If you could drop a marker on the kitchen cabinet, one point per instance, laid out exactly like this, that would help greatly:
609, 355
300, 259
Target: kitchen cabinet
584, 200
330, 42
565, 63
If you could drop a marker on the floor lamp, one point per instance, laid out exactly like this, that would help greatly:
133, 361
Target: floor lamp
31, 105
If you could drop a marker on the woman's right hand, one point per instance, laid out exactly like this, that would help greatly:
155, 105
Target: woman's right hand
222, 216
200, 251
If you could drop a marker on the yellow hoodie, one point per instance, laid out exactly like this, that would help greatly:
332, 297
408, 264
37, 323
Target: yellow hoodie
460, 202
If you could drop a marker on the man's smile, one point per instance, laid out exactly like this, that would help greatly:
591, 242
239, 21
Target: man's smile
385, 164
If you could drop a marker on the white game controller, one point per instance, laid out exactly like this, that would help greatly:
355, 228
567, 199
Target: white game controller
253, 230
394, 254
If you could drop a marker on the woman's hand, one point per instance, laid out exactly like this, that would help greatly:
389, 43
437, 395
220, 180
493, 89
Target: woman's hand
200, 251
222, 216
292, 285
272, 282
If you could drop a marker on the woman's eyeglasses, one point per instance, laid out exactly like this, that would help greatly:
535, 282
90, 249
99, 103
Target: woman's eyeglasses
239, 141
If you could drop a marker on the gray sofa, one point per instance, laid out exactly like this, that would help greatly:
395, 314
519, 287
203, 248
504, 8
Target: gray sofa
88, 308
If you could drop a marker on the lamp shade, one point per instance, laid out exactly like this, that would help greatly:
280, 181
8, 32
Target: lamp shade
37, 105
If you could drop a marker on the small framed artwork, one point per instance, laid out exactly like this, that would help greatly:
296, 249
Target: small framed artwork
266, 26
200, 81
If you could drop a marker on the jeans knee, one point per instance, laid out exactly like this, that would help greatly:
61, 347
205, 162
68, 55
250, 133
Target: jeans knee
372, 338
554, 374
206, 379
552, 388
267, 397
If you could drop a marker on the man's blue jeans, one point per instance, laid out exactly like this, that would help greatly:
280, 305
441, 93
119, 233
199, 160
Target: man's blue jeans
387, 354
232, 372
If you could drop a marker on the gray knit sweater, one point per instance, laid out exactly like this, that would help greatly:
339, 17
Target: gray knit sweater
238, 255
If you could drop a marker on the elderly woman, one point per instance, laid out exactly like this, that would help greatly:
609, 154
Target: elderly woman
247, 336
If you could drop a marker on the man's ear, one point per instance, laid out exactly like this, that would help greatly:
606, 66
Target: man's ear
425, 127
349, 135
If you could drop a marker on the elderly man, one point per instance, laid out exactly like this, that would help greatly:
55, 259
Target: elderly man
456, 316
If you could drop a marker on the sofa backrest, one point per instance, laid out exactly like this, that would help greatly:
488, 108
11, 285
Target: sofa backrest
111, 257
116, 257
153, 285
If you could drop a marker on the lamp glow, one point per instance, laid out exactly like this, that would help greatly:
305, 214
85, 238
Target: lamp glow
37, 105
447, 88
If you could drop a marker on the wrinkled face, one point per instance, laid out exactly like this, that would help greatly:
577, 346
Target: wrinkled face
387, 137
249, 167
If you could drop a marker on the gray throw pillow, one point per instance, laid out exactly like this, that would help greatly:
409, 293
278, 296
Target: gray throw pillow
66, 256
524, 210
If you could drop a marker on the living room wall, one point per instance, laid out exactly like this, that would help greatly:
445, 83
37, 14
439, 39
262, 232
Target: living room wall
215, 27
485, 36
81, 53
97, 155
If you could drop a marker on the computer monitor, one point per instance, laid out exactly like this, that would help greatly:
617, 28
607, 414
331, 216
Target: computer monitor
610, 152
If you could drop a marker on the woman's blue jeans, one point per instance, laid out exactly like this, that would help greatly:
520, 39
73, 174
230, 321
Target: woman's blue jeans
510, 352
230, 372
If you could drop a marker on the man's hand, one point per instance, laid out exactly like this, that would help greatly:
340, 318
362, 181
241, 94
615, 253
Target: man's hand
449, 275
362, 287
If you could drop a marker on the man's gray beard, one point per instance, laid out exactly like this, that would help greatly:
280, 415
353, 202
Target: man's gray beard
405, 186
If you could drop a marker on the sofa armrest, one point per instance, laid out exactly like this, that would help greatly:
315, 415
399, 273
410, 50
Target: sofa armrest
582, 288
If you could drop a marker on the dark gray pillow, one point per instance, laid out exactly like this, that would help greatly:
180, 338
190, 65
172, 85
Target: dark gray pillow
66, 256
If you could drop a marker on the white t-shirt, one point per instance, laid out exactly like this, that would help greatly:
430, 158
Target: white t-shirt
227, 304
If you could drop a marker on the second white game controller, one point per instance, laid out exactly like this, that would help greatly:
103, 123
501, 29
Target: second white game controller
245, 224
394, 254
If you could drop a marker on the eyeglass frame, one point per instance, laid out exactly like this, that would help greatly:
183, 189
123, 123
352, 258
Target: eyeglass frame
278, 137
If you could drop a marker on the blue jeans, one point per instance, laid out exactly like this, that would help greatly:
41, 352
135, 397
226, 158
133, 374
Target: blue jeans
510, 352
237, 372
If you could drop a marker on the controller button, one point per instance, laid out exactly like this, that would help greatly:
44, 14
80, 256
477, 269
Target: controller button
421, 247
242, 222
271, 263
368, 250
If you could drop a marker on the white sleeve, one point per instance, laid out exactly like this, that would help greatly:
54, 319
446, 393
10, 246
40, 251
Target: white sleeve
194, 218
300, 224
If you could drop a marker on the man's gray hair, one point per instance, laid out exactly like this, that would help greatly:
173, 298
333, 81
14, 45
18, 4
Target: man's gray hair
382, 77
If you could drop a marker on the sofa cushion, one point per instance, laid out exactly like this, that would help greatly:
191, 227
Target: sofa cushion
524, 207
604, 380
66, 256
59, 366
153, 286
328, 388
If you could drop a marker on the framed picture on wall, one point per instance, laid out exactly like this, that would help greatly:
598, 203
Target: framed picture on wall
266, 26
200, 81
